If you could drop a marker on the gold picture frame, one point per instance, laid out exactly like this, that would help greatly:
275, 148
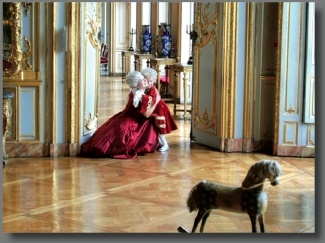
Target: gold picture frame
12, 53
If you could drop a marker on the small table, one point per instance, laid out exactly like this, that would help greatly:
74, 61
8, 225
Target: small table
157, 61
125, 54
138, 60
179, 68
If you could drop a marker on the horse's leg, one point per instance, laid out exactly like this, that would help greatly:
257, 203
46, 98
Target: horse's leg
253, 219
197, 220
261, 221
206, 215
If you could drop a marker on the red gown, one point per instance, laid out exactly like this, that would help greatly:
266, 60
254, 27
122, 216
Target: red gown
125, 135
163, 119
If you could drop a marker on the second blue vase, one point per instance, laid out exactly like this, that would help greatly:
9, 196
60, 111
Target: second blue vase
164, 41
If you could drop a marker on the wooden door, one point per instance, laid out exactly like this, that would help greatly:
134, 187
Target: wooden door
206, 63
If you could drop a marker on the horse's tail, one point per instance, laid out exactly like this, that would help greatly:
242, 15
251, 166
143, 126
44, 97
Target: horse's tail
193, 197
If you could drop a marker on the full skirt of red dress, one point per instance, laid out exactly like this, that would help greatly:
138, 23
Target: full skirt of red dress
125, 135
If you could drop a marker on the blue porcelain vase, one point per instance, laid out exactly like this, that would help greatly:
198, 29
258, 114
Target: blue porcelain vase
145, 39
164, 41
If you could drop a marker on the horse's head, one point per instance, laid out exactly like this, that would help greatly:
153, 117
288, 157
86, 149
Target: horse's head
275, 171
262, 170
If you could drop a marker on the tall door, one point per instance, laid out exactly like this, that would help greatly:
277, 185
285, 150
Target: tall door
205, 75
209, 102
225, 69
253, 78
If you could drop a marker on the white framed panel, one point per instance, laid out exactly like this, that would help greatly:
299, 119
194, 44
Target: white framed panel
290, 133
28, 113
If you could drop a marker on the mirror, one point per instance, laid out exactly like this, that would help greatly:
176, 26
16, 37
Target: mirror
12, 54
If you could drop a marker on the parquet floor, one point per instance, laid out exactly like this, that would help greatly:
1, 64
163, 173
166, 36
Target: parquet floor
146, 194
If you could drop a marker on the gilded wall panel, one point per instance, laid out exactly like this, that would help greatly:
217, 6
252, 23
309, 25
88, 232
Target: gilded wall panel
311, 136
90, 77
29, 114
205, 86
290, 133
292, 76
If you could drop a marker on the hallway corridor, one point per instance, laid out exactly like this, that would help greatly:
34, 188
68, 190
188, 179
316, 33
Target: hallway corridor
147, 194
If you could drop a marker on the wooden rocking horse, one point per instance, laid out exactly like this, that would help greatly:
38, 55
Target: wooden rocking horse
250, 198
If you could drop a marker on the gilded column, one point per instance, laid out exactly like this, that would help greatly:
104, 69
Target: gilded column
250, 70
229, 70
277, 84
73, 74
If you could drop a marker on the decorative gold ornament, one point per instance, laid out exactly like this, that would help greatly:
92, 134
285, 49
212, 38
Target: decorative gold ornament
90, 122
207, 25
92, 33
8, 111
204, 121
15, 54
26, 55
291, 109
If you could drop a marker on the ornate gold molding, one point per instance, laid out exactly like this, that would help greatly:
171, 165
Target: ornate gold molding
229, 69
94, 25
73, 73
250, 72
206, 25
15, 56
286, 127
8, 111
205, 121
277, 83
26, 55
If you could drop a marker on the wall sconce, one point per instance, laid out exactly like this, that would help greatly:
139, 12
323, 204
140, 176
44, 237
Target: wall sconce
193, 36
26, 6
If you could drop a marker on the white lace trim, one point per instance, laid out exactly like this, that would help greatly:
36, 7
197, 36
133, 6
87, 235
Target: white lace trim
137, 97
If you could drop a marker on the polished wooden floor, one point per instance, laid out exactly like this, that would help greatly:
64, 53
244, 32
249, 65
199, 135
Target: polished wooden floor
146, 194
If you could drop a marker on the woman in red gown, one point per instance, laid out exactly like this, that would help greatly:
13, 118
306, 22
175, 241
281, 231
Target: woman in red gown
163, 118
129, 133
